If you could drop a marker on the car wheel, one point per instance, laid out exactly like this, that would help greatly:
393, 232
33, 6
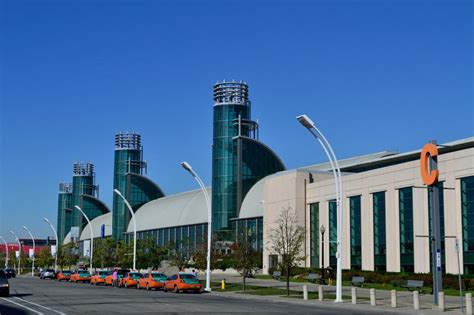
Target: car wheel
176, 290
165, 289
197, 291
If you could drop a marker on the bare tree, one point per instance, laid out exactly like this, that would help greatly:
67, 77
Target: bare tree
245, 256
286, 240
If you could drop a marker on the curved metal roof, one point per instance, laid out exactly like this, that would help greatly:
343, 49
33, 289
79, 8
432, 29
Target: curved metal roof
96, 223
67, 238
252, 205
176, 210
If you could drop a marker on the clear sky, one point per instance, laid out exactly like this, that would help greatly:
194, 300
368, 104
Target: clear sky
374, 75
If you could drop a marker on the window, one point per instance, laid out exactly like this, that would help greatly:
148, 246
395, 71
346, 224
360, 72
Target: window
272, 261
380, 256
355, 226
332, 233
467, 205
314, 234
441, 223
405, 202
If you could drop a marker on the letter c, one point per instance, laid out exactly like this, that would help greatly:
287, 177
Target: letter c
428, 178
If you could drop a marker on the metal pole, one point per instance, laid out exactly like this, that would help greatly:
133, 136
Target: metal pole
308, 124
56, 236
6, 251
129, 207
19, 249
456, 247
34, 247
92, 235
188, 168
322, 256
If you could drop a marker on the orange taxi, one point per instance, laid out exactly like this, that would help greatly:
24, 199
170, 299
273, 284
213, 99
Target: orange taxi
109, 279
99, 277
182, 282
152, 280
80, 276
130, 280
64, 275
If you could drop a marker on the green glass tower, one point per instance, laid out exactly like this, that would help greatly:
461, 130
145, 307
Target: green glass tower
239, 160
129, 180
64, 211
82, 184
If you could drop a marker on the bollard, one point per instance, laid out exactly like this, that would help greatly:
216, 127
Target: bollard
223, 284
305, 292
320, 293
441, 301
416, 300
469, 303
372, 297
354, 295
394, 298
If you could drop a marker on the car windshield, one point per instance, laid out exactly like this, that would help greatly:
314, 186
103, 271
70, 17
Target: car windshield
158, 275
2, 274
49, 270
136, 275
103, 273
66, 272
123, 271
185, 276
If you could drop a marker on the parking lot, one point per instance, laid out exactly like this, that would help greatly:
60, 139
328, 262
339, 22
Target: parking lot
35, 296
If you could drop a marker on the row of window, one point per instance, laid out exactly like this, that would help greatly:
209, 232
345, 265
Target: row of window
405, 202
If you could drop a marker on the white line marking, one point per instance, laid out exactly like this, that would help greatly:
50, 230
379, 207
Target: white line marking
30, 309
35, 304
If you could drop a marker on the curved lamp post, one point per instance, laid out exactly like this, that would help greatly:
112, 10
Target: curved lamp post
309, 124
188, 168
34, 247
92, 235
55, 235
6, 251
19, 249
129, 207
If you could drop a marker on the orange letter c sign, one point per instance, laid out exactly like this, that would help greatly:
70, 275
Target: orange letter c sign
428, 178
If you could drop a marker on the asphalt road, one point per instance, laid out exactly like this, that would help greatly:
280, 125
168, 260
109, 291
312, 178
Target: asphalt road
34, 296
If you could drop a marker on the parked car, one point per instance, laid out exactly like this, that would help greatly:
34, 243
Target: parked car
130, 280
64, 275
47, 274
4, 285
99, 277
152, 280
120, 273
182, 282
80, 276
10, 273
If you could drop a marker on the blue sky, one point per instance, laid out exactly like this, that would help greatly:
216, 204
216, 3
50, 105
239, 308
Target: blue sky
374, 75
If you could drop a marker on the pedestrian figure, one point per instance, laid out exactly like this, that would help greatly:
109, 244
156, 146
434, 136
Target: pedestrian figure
115, 278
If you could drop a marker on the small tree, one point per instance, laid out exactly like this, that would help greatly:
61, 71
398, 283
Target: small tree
44, 259
104, 252
123, 254
245, 257
68, 255
180, 254
286, 240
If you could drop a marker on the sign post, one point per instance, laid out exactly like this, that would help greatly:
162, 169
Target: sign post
429, 175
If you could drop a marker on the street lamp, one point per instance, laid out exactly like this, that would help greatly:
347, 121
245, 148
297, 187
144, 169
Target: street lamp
129, 207
92, 235
55, 235
19, 249
309, 124
6, 251
34, 247
322, 229
188, 168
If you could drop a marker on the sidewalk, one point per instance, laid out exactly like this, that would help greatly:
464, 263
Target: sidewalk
383, 298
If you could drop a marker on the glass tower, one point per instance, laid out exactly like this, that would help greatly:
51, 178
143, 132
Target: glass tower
83, 183
64, 211
129, 180
239, 160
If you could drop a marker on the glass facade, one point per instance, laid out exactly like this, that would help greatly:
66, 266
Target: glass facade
314, 234
82, 184
332, 233
405, 203
380, 255
441, 217
64, 215
356, 236
467, 210
254, 226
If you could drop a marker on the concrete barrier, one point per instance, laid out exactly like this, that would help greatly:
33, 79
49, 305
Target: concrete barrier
321, 293
469, 303
441, 306
305, 292
354, 295
416, 300
393, 294
372, 297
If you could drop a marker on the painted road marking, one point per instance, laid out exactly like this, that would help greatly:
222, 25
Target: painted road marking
25, 307
39, 305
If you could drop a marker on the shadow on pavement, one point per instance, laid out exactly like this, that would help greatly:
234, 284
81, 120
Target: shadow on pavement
10, 310
20, 294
